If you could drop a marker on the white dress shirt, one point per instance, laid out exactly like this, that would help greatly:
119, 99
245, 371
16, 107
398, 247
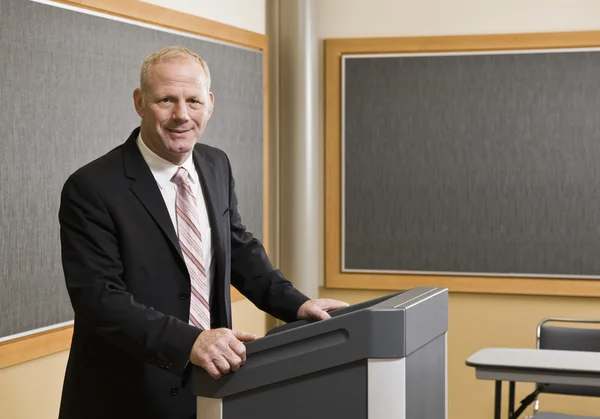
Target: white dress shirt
163, 171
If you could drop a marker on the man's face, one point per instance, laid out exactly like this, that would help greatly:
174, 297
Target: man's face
175, 108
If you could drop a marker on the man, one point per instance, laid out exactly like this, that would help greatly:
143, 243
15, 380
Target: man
151, 240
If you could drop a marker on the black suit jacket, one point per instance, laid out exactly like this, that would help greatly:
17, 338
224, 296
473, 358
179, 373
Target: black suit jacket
129, 285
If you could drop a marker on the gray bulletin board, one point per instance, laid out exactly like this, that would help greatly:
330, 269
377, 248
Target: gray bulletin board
66, 83
472, 163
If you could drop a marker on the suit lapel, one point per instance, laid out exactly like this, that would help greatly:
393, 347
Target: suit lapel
210, 191
146, 190
208, 181
213, 200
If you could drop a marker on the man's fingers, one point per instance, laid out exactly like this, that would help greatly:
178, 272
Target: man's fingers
233, 359
318, 309
220, 351
222, 364
235, 362
212, 370
243, 336
321, 314
228, 361
239, 349
327, 304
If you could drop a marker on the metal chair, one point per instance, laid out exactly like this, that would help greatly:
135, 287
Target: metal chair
569, 338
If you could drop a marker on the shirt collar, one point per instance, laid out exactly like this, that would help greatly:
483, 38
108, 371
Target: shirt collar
163, 170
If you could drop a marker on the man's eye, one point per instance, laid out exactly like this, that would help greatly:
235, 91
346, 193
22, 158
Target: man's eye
164, 100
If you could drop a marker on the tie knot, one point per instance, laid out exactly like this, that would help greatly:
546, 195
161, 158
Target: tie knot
180, 177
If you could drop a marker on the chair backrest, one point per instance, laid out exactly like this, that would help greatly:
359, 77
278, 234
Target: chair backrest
571, 339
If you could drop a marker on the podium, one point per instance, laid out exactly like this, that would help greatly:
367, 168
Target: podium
381, 359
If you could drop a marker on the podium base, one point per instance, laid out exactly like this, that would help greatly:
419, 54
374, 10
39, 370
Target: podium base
208, 408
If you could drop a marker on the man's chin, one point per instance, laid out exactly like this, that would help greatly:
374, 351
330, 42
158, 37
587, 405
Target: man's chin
180, 149
181, 141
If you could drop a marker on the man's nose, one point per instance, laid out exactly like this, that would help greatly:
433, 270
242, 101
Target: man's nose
180, 112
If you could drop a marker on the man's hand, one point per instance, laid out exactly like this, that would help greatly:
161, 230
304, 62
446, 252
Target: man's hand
317, 309
219, 351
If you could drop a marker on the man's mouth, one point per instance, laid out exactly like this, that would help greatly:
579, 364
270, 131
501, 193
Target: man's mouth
178, 130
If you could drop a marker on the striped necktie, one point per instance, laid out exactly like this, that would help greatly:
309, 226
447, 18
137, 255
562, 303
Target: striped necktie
190, 241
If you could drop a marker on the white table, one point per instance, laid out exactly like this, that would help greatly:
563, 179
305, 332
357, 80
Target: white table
542, 366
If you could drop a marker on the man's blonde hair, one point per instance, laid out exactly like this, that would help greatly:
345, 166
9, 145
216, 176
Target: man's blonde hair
169, 54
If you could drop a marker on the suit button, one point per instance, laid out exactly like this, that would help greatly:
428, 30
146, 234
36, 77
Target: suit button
174, 391
184, 295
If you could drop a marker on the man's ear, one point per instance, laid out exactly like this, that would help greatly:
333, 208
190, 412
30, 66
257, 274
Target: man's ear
212, 104
138, 102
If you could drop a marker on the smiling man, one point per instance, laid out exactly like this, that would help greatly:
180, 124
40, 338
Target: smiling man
151, 241
175, 103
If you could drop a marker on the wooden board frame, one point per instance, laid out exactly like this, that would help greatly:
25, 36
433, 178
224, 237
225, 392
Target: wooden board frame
37, 345
335, 49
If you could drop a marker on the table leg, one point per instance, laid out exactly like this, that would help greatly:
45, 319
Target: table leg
511, 399
497, 406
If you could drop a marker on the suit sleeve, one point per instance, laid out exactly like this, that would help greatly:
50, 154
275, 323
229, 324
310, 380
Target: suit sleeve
252, 272
93, 272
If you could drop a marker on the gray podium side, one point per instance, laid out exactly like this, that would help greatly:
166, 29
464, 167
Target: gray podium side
381, 359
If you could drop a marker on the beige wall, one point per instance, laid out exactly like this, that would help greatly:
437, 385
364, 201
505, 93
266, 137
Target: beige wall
245, 14
359, 18
476, 321
32, 389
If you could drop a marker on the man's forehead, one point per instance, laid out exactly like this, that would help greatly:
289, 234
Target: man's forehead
176, 90
180, 64
178, 82
183, 68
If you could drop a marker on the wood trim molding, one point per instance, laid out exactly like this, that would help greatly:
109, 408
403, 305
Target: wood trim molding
519, 41
334, 277
35, 346
46, 343
167, 18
